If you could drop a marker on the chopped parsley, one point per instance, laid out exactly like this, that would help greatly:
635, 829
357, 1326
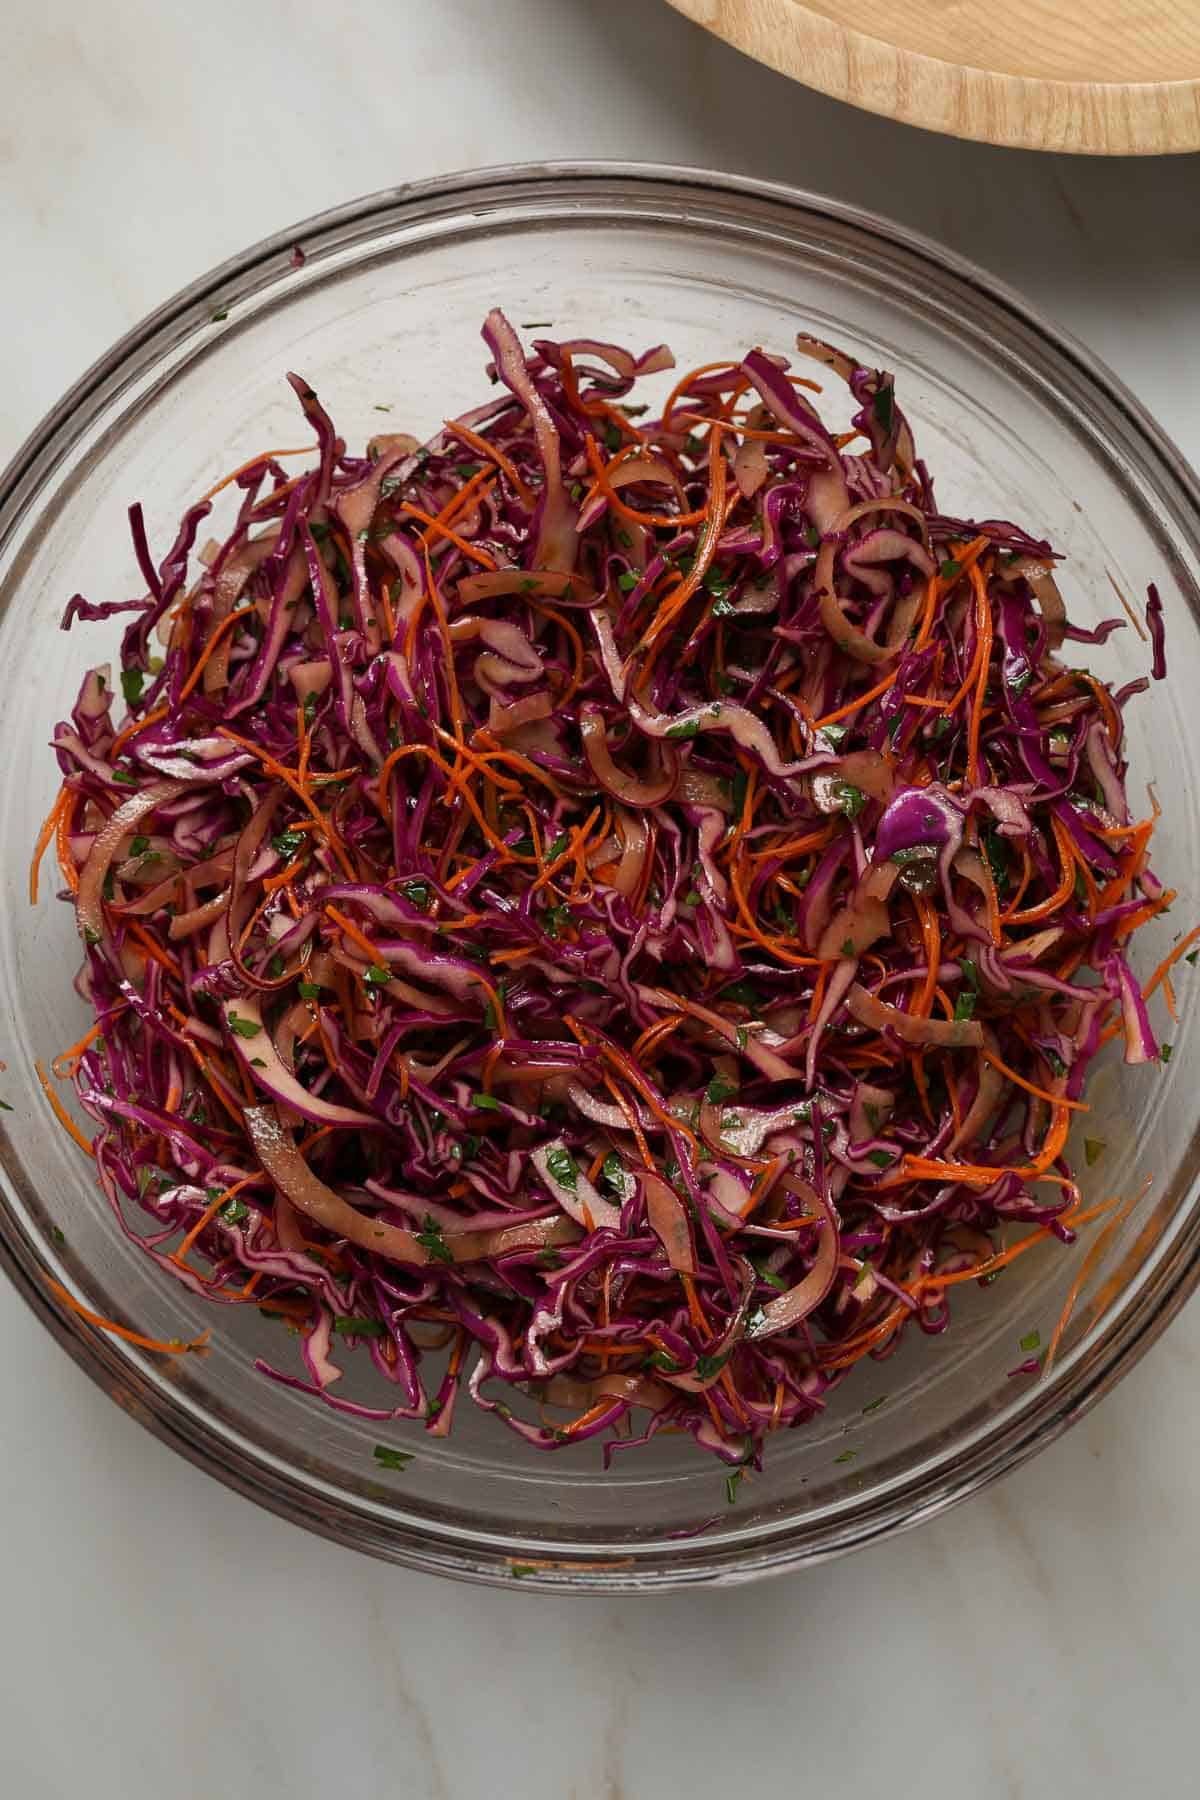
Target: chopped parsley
285, 844
432, 1242
132, 682
372, 1328
388, 1458
562, 1168
1031, 1341
612, 1173
243, 1028
850, 799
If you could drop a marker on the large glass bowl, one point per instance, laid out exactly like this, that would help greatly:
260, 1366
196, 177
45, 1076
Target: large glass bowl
1015, 419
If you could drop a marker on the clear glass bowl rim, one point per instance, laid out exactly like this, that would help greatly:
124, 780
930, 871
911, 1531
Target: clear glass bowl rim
1137, 1317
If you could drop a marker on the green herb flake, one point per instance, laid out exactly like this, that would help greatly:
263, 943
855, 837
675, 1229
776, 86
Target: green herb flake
628, 580
1166, 1052
662, 1359
372, 1328
874, 1405
558, 846
4, 1106
732, 1482
243, 1028
490, 1016
219, 314
720, 1088
285, 844
882, 1159
964, 1007
848, 951
612, 1173
132, 682
1093, 1150
851, 799
309, 990
950, 568
555, 919
708, 1366
684, 728
488, 1102
884, 406
377, 975
846, 1456
767, 1274
58, 1237
388, 1458
562, 1168
519, 1570
432, 1242
234, 1211
1031, 1341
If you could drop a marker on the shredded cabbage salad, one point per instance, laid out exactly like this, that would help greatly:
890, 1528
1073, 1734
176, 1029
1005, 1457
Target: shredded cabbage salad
612, 905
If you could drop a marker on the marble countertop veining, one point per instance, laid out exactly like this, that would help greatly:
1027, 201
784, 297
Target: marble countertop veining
164, 1637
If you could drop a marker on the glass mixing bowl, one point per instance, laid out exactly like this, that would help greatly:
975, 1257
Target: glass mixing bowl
1015, 420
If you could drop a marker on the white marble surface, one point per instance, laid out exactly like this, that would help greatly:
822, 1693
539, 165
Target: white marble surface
161, 1636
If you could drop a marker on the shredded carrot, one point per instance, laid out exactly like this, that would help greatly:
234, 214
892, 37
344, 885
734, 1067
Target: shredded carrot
1094, 1251
131, 731
931, 937
216, 636
485, 447
1168, 962
60, 1112
49, 826
154, 951
603, 484
859, 700
1031, 1087
460, 543
209, 1214
121, 1331
1066, 886
262, 457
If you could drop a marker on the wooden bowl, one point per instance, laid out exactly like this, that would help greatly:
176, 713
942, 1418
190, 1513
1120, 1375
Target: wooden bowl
1109, 77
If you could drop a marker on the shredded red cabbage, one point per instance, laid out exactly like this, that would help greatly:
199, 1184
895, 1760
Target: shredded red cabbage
625, 898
